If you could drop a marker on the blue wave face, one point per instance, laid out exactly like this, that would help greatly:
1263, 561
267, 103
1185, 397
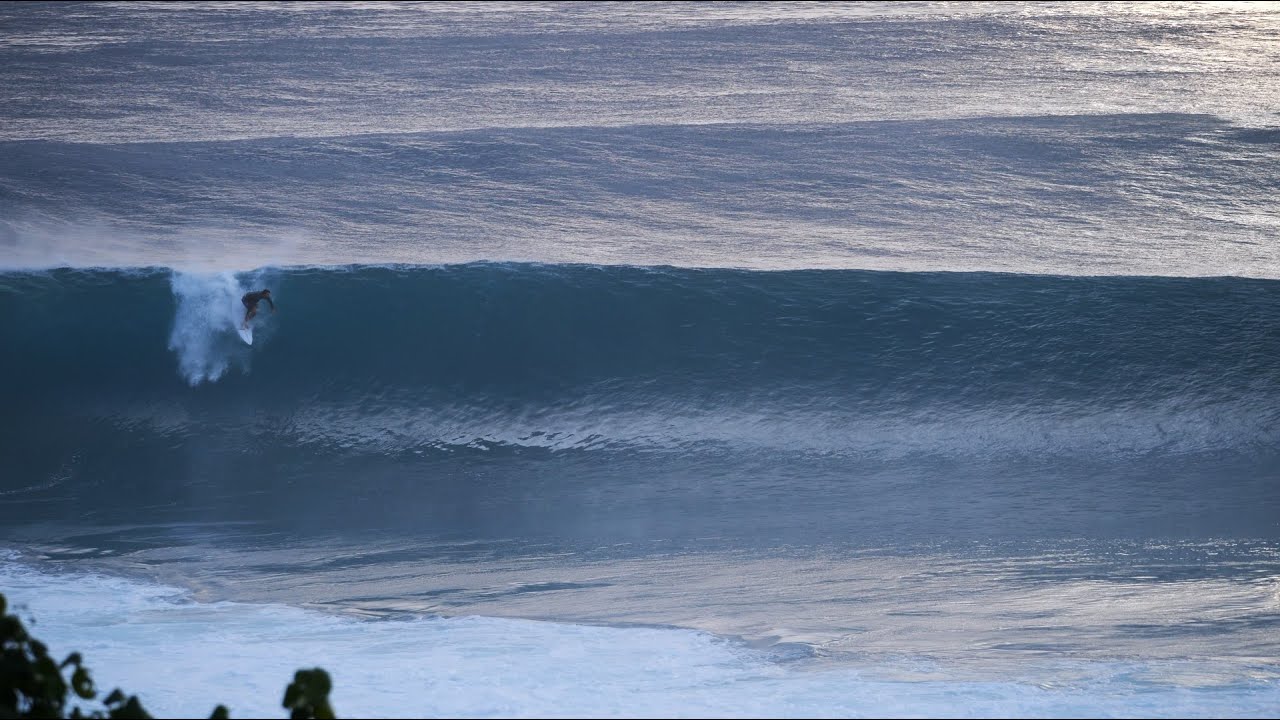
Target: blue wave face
827, 383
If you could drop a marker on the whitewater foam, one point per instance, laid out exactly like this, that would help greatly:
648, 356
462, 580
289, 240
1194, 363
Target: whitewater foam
207, 312
197, 654
182, 657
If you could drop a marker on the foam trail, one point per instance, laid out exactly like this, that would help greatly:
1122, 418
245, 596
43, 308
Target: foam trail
204, 325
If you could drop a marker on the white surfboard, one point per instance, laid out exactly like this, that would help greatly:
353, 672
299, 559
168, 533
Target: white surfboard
246, 334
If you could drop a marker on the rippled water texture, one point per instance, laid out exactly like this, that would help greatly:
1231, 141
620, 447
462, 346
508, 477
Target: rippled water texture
732, 359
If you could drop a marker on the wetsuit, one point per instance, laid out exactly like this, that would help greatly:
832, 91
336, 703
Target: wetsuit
252, 299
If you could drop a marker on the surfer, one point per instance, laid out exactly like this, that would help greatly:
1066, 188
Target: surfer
251, 301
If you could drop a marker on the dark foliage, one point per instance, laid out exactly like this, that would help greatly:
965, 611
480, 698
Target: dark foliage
32, 685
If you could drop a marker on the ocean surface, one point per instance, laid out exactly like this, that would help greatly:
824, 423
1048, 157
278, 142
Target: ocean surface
661, 359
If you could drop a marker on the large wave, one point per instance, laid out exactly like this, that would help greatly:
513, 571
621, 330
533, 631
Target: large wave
141, 373
532, 353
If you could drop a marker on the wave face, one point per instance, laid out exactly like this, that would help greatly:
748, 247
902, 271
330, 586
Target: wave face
1071, 403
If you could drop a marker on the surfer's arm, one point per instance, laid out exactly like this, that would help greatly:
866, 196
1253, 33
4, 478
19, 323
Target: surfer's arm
273, 305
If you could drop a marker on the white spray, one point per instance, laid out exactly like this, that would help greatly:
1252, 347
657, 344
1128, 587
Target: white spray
204, 325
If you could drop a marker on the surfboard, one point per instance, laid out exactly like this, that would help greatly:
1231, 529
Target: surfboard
246, 334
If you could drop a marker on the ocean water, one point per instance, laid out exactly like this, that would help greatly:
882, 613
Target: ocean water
736, 360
